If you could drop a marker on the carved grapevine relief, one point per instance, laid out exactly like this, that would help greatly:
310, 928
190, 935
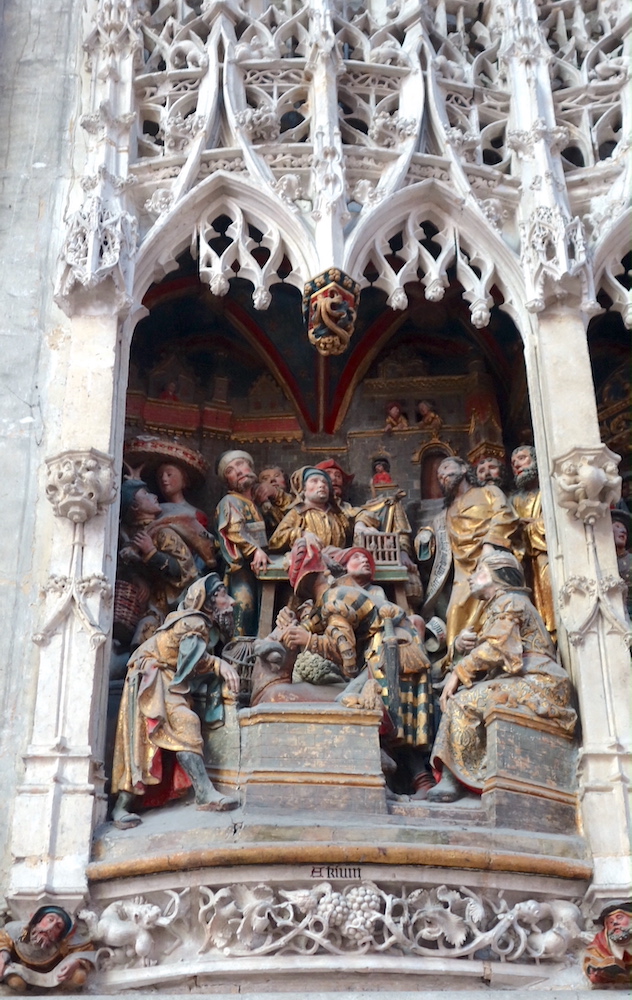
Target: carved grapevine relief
361, 918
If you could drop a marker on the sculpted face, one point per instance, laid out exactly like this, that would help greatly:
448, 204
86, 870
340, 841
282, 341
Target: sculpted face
239, 474
48, 930
337, 481
394, 412
317, 490
618, 926
620, 535
145, 503
488, 470
220, 608
449, 474
274, 476
171, 480
359, 566
520, 461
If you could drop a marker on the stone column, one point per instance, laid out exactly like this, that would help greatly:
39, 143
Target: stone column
586, 581
61, 795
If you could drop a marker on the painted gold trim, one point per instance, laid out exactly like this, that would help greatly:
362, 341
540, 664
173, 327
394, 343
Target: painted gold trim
504, 784
341, 717
311, 778
436, 856
528, 722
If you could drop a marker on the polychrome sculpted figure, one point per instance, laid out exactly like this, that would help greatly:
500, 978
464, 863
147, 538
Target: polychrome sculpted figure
241, 532
527, 503
156, 713
272, 495
608, 958
475, 519
396, 420
316, 512
44, 952
621, 534
154, 558
427, 417
490, 471
369, 639
510, 661
190, 522
381, 472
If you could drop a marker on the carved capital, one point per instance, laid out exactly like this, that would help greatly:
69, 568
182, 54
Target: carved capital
587, 482
330, 303
80, 484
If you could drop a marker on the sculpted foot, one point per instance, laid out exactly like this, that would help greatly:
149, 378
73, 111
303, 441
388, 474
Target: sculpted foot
448, 789
121, 817
221, 804
423, 785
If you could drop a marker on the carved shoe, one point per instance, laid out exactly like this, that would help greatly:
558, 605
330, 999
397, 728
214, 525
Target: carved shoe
448, 789
423, 784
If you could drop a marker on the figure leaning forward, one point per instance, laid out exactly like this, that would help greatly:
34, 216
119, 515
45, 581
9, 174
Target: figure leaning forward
158, 753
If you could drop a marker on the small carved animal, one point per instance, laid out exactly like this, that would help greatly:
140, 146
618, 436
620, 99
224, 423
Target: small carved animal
126, 925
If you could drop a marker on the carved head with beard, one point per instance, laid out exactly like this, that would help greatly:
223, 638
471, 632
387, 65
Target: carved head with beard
451, 474
43, 934
219, 606
524, 466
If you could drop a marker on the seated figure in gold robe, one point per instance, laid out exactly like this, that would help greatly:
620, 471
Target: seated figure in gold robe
315, 511
511, 662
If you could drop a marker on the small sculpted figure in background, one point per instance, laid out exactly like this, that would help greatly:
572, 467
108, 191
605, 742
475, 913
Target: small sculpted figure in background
158, 752
190, 522
396, 420
427, 417
608, 958
44, 952
381, 472
621, 533
241, 532
509, 660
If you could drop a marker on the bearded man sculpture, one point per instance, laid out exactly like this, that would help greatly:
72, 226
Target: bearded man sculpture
156, 713
510, 662
42, 952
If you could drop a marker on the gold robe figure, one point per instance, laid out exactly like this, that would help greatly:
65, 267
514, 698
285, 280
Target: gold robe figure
315, 511
527, 503
512, 664
481, 515
528, 507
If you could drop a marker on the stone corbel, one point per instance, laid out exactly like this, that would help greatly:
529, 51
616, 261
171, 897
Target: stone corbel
80, 486
587, 482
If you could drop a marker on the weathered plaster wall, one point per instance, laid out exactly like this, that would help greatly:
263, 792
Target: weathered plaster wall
39, 47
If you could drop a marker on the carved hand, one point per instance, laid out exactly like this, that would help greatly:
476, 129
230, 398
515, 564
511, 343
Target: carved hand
144, 542
452, 684
259, 561
230, 675
295, 637
465, 641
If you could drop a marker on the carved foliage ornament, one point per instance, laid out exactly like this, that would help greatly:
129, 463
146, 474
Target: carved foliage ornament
330, 304
362, 918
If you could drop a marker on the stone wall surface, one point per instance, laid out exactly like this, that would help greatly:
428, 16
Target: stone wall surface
39, 45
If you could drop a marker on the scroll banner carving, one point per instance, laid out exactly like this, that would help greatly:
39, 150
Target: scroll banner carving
80, 486
330, 304
587, 482
360, 919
